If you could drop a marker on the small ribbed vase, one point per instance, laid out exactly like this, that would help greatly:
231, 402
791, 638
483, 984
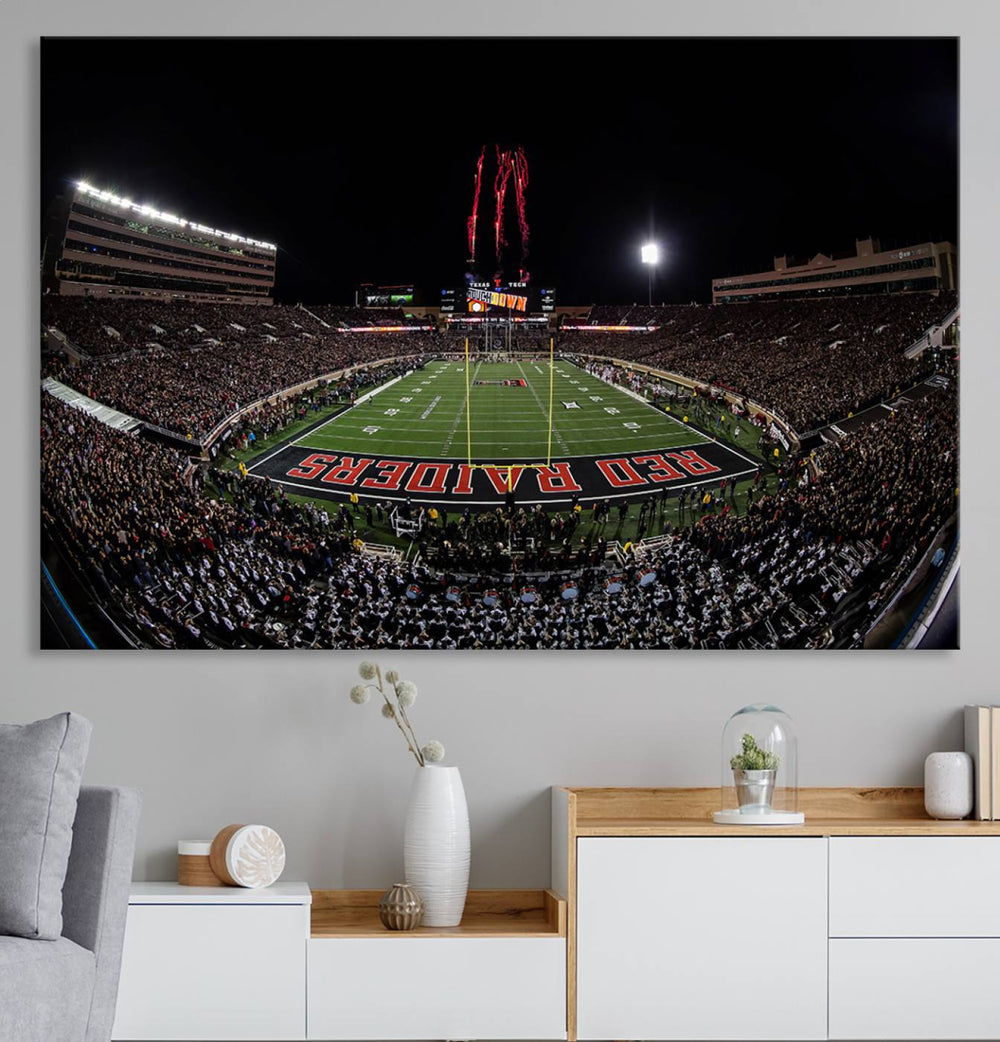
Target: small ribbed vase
400, 908
436, 844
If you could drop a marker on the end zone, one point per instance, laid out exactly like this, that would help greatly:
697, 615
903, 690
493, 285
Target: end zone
456, 483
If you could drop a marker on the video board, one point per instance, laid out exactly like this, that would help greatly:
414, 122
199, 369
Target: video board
375, 296
482, 299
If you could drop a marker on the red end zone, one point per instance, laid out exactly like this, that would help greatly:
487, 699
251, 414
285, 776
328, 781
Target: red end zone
332, 475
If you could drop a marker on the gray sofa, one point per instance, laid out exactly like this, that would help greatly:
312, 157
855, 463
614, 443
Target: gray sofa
65, 990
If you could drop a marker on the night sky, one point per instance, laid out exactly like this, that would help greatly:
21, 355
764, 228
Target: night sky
357, 157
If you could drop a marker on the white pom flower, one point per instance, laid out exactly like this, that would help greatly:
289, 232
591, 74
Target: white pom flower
388, 712
367, 670
360, 694
407, 693
392, 676
433, 752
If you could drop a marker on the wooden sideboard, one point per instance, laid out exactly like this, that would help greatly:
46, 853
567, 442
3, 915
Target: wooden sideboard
868, 921
871, 920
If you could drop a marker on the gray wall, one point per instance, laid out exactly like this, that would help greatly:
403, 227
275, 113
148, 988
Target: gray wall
272, 737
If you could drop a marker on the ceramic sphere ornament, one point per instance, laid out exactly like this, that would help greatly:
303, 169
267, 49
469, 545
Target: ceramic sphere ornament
247, 855
948, 785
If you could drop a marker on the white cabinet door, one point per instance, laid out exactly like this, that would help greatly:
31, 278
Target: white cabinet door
410, 987
915, 886
915, 988
701, 938
213, 972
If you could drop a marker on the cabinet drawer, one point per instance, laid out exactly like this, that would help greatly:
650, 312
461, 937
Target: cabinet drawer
917, 988
213, 972
921, 886
437, 987
691, 938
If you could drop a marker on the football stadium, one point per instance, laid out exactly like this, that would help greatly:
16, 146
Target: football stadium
486, 464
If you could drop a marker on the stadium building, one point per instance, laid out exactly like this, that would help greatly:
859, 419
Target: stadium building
929, 266
100, 244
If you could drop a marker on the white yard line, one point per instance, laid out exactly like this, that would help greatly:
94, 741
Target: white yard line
458, 416
555, 434
650, 405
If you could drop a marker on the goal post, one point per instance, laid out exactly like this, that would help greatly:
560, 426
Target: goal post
509, 467
468, 406
552, 381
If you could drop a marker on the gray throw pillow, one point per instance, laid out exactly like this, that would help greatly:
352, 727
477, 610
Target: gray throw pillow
41, 765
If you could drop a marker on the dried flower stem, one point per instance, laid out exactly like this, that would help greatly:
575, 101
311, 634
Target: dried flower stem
411, 741
401, 709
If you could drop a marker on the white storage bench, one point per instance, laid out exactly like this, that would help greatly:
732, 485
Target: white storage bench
212, 963
501, 974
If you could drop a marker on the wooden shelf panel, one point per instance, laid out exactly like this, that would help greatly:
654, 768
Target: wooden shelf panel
488, 913
812, 827
829, 812
693, 804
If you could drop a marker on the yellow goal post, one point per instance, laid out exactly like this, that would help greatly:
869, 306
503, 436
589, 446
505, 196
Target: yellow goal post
508, 466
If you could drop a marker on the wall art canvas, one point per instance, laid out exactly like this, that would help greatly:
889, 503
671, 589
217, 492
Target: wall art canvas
584, 344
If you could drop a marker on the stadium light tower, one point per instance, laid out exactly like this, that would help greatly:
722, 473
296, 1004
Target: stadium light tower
650, 257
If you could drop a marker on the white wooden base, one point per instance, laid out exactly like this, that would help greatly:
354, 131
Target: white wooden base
213, 963
437, 988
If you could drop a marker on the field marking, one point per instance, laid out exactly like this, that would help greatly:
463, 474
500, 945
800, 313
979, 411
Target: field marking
632, 493
551, 419
404, 429
669, 433
673, 419
446, 447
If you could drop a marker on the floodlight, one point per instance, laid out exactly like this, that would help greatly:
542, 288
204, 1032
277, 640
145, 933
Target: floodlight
650, 253
149, 211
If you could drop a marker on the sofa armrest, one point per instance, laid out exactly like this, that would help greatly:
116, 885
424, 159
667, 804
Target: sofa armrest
95, 894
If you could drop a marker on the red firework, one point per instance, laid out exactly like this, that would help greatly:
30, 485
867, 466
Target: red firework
500, 191
519, 165
471, 224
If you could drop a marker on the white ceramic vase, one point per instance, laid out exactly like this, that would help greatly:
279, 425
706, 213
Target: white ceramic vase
436, 844
948, 785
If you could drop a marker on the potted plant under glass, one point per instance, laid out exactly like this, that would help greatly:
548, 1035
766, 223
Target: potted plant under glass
754, 773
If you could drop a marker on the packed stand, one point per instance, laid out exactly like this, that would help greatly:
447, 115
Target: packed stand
215, 560
105, 326
815, 361
191, 389
349, 317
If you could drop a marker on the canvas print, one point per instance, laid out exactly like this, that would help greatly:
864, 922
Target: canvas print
499, 343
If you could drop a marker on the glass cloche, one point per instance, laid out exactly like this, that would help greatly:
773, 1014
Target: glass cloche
760, 769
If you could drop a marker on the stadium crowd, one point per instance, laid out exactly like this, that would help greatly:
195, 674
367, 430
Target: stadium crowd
186, 366
106, 326
191, 391
210, 559
349, 317
815, 361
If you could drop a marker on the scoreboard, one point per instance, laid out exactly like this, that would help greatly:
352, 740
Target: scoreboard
482, 299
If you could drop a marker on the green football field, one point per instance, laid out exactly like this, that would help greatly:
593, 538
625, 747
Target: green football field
427, 414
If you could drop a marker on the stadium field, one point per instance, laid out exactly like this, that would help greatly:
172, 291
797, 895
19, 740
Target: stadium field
426, 412
411, 438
